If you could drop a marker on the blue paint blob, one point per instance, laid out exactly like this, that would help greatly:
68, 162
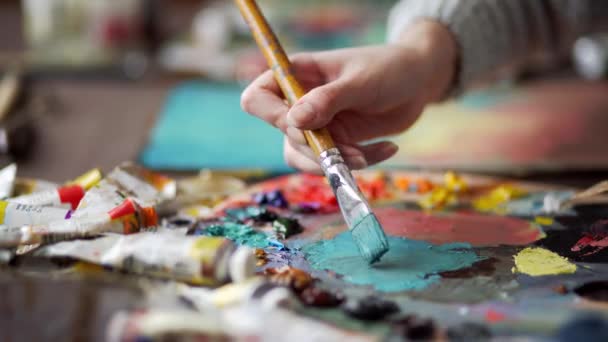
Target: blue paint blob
408, 265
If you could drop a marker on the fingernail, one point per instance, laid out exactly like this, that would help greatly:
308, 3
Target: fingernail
358, 163
300, 114
295, 135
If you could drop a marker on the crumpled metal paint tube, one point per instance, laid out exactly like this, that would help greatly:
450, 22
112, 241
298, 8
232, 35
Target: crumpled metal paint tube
196, 260
127, 218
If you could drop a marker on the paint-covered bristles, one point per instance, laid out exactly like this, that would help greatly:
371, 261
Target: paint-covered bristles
370, 238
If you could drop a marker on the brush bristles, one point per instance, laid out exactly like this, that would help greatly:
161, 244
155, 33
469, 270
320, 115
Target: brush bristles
370, 238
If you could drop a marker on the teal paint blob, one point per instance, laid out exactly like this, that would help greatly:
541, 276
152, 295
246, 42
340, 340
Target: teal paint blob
408, 265
242, 235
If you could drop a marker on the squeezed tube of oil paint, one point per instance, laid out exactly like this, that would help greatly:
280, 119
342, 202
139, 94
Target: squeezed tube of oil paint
17, 214
241, 323
127, 218
64, 196
68, 195
256, 289
196, 260
146, 187
125, 326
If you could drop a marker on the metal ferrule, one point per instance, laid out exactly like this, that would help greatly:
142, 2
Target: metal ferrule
352, 202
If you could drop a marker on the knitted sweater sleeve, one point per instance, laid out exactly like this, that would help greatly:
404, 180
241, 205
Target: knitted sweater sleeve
499, 38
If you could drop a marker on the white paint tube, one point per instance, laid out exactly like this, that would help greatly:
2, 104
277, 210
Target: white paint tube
197, 260
17, 214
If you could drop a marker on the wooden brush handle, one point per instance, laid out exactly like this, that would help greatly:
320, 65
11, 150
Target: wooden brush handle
319, 140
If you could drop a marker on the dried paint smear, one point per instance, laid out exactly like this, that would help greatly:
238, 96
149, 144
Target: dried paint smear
408, 265
540, 262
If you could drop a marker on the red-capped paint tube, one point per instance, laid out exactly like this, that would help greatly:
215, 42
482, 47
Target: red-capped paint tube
65, 195
127, 218
68, 195
128, 180
17, 214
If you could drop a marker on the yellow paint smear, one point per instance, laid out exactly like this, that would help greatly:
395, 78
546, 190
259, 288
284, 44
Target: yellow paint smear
539, 262
544, 221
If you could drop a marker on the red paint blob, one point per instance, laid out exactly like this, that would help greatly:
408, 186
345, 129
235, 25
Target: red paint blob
302, 189
594, 240
441, 228
494, 316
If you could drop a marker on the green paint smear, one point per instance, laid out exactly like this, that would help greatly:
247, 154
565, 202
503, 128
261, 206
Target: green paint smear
408, 265
241, 234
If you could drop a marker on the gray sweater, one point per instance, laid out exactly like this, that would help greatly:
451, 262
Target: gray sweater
499, 38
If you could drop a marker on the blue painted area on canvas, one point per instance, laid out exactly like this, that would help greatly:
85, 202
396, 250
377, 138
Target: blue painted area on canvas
203, 126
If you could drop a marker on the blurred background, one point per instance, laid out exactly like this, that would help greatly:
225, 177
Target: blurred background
90, 83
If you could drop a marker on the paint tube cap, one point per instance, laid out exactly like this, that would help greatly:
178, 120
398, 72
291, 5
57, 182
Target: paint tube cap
242, 264
127, 207
71, 194
88, 179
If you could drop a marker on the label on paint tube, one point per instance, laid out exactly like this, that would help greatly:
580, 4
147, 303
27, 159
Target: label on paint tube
99, 199
127, 218
149, 187
143, 191
87, 225
68, 195
197, 260
18, 214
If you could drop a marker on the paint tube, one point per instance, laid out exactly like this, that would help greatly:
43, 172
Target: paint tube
7, 180
241, 323
146, 187
67, 195
24, 186
135, 326
127, 218
196, 260
17, 214
257, 289
64, 196
88, 179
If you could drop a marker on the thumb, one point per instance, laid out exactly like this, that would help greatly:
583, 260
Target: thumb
317, 108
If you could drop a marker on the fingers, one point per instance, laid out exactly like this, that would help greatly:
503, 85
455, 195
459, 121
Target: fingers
318, 107
263, 97
361, 156
297, 158
301, 157
378, 152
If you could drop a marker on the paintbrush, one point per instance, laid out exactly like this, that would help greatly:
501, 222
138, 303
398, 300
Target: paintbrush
363, 224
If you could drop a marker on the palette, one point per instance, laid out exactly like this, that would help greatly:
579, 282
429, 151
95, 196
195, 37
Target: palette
453, 263
472, 257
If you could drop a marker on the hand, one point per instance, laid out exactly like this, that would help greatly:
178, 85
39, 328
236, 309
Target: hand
358, 94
